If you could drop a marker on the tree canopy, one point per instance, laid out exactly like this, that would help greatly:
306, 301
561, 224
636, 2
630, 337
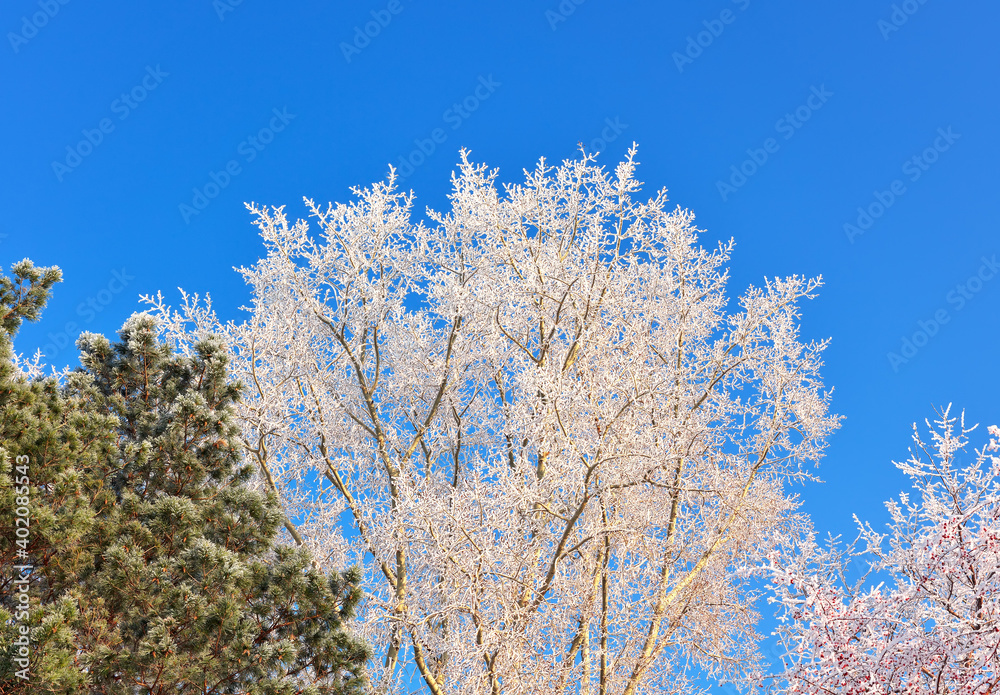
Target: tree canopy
537, 422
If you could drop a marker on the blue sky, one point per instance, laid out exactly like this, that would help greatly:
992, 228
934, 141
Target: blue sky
116, 117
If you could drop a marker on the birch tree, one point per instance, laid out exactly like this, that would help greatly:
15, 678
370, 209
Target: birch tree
534, 419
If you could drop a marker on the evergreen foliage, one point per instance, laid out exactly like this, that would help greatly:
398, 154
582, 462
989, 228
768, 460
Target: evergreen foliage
156, 564
50, 431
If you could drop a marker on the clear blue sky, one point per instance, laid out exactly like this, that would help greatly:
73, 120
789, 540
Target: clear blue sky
843, 102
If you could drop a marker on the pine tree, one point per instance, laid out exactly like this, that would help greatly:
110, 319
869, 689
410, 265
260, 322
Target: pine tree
47, 438
192, 591
156, 567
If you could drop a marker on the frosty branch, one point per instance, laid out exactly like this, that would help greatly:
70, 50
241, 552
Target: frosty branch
543, 433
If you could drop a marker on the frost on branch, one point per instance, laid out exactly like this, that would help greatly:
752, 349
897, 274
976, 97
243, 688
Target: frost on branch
533, 420
933, 625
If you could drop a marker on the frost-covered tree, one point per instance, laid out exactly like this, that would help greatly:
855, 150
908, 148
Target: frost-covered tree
932, 623
534, 419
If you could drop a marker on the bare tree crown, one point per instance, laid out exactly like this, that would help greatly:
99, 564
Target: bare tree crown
534, 420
